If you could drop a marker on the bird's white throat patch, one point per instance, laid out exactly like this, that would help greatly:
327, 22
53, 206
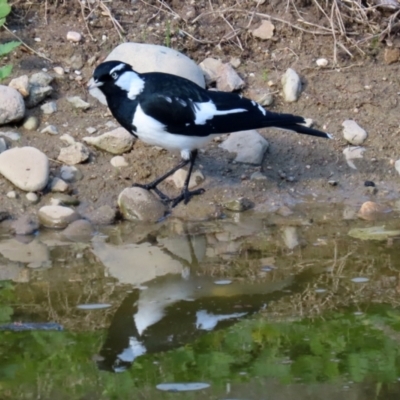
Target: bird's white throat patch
206, 111
131, 83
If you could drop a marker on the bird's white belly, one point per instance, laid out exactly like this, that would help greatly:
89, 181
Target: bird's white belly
172, 141
151, 131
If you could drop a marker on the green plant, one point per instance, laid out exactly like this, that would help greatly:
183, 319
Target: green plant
5, 48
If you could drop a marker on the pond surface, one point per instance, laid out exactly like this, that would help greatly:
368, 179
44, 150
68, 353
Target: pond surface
248, 307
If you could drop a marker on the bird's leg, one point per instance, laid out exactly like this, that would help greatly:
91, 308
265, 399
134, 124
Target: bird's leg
186, 194
153, 185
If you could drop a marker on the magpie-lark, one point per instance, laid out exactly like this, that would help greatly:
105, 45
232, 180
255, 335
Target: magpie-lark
174, 113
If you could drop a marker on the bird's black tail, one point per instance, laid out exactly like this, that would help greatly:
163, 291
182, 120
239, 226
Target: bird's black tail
292, 123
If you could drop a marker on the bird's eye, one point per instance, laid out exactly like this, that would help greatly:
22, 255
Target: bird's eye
114, 75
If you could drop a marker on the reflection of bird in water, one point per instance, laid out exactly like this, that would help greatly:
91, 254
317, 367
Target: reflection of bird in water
173, 311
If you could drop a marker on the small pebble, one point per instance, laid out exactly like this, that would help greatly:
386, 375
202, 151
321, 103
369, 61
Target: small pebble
49, 108
12, 194
59, 70
118, 162
77, 102
31, 123
91, 130
353, 133
322, 62
58, 185
32, 197
73, 36
50, 129
333, 182
14, 136
397, 166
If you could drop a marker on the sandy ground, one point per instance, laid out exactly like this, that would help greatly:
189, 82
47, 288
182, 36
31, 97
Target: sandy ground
363, 88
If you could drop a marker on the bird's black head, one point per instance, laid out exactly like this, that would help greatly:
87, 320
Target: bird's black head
109, 72
113, 77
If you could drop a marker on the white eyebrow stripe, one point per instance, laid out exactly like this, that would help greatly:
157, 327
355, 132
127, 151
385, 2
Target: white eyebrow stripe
117, 68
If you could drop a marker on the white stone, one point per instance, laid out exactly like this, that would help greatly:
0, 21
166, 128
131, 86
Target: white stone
12, 106
291, 85
77, 102
179, 177
31, 123
118, 162
21, 84
73, 36
58, 185
73, 154
68, 139
12, 194
139, 204
235, 62
151, 58
353, 133
49, 108
322, 62
90, 130
265, 30
59, 70
32, 197
117, 141
57, 216
70, 174
249, 146
210, 67
26, 167
50, 129
397, 166
228, 79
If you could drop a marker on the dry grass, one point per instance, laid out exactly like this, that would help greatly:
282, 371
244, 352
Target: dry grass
350, 23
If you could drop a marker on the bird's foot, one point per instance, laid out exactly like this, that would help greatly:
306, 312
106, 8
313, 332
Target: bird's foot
185, 196
163, 197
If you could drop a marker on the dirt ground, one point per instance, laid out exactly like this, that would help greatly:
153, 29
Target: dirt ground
361, 87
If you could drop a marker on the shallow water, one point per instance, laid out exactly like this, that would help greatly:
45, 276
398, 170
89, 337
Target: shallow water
252, 306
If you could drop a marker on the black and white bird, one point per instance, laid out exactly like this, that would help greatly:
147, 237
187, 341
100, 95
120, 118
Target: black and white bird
176, 114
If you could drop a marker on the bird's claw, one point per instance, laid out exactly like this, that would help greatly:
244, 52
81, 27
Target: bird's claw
185, 196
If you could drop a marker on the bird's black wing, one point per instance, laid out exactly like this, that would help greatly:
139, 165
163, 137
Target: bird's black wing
186, 108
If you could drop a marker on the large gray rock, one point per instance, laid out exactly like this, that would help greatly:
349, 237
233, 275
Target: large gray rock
12, 106
249, 146
151, 58
140, 204
26, 167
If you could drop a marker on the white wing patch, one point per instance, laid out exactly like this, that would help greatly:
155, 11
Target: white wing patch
131, 83
262, 109
206, 111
